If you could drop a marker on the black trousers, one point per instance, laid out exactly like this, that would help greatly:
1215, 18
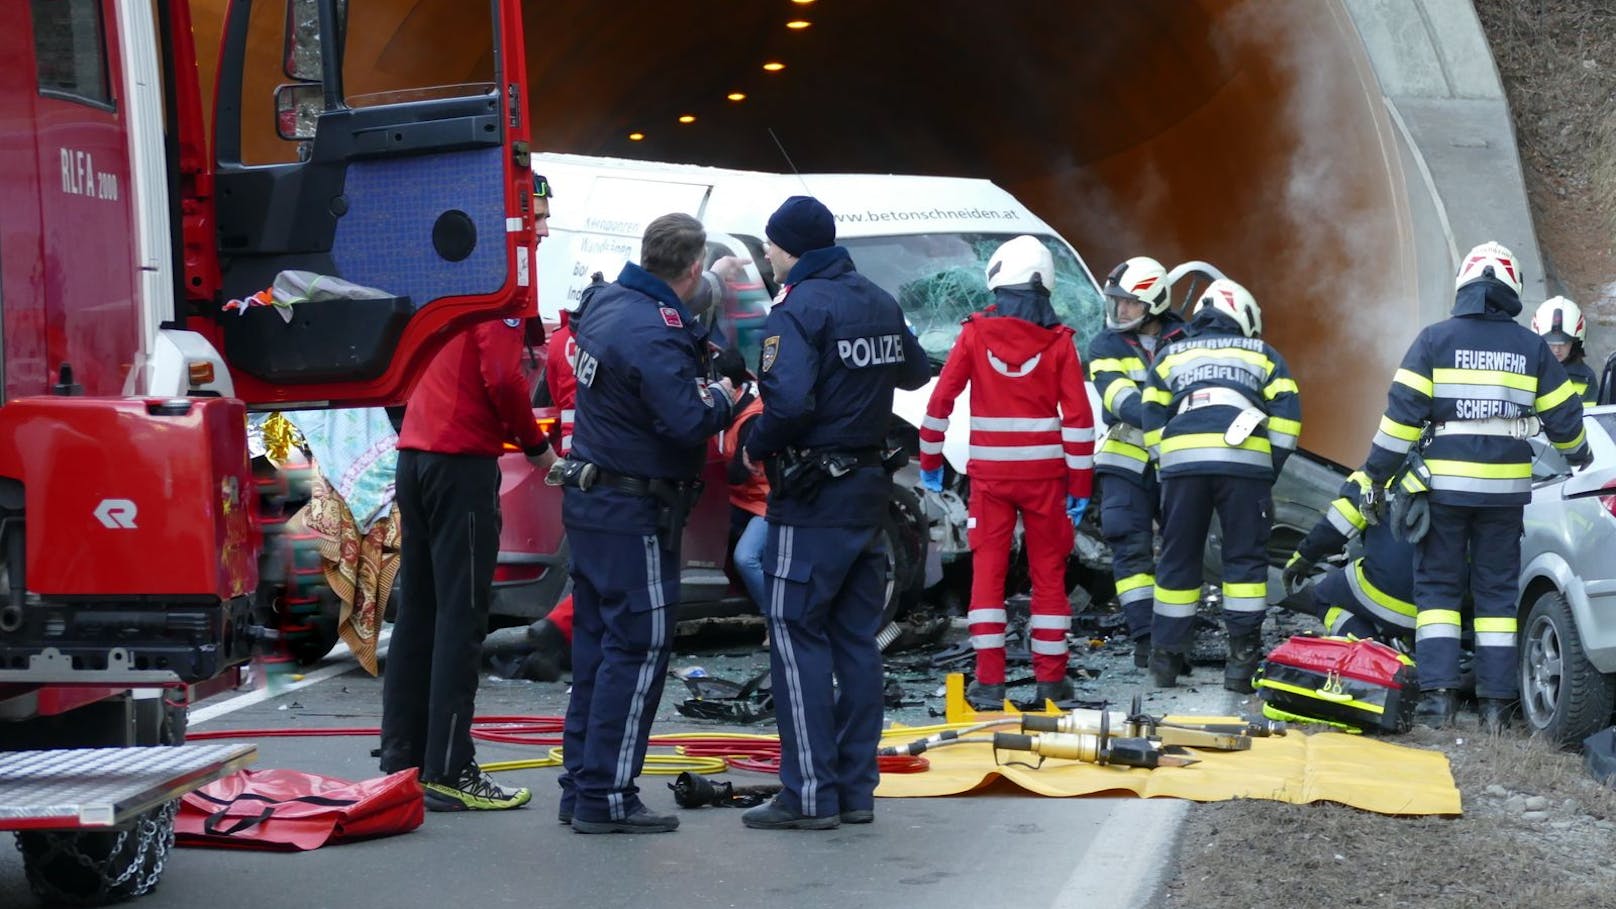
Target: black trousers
449, 512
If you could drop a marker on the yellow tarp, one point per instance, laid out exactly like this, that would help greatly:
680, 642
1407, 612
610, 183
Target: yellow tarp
1326, 766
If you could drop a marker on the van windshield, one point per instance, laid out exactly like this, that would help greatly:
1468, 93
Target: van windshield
939, 279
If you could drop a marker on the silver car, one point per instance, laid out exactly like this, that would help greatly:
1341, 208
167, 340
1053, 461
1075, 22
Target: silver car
1568, 589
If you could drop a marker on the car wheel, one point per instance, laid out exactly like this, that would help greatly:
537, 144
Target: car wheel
905, 545
1563, 696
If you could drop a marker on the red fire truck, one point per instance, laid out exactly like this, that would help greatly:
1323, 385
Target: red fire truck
130, 217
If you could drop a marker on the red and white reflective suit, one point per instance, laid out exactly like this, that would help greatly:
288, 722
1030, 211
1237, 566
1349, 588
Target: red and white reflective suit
1032, 444
559, 377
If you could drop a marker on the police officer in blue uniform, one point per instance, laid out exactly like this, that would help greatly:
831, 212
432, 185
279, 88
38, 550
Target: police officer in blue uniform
1483, 385
645, 410
1139, 321
1222, 414
1372, 595
834, 347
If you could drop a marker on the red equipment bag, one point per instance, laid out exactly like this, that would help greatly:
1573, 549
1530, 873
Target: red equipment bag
1347, 681
293, 810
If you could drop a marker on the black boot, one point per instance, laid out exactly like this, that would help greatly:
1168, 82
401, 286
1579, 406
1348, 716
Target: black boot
1058, 691
1497, 714
1141, 652
985, 697
1245, 652
1436, 708
1166, 666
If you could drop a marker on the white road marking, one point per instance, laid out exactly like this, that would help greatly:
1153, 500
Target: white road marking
1128, 858
345, 663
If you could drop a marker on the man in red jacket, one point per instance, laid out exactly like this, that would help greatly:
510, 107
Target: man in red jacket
470, 401
1032, 453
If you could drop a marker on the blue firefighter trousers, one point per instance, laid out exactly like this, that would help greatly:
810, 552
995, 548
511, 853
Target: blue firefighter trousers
1244, 507
1489, 539
1128, 521
824, 599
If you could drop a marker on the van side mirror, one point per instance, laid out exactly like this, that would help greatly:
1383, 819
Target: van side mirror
301, 48
297, 110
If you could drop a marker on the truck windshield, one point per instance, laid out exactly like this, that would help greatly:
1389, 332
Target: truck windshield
939, 279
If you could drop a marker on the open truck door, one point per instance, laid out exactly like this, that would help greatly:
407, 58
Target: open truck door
382, 176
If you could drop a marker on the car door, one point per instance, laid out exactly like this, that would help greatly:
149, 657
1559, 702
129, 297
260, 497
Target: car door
383, 146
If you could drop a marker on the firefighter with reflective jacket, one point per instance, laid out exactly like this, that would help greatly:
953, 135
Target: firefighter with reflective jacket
1559, 321
1138, 322
646, 409
1222, 414
1483, 385
834, 348
1031, 455
1372, 595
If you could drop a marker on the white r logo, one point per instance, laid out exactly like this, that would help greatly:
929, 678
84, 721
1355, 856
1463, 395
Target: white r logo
116, 514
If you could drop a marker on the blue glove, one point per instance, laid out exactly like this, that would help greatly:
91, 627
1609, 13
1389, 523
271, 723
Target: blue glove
932, 479
1075, 508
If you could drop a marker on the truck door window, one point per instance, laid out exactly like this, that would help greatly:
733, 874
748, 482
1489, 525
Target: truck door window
69, 51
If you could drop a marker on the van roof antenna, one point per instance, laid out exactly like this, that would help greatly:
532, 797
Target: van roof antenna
780, 145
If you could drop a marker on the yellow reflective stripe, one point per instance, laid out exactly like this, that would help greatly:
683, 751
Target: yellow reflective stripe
1581, 388
1171, 361
1248, 590
1117, 387
1123, 449
1398, 430
1313, 693
1178, 597
1437, 617
1401, 607
1278, 387
1504, 624
1484, 377
1582, 436
1134, 582
1349, 511
1153, 437
1480, 470
1415, 381
1552, 399
1155, 395
1125, 364
1332, 614
1282, 425
1211, 440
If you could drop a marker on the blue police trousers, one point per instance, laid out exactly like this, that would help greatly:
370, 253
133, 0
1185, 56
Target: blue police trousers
625, 590
825, 591
1490, 540
1128, 521
1244, 506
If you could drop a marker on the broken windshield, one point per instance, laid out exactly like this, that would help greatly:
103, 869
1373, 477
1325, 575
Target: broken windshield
939, 279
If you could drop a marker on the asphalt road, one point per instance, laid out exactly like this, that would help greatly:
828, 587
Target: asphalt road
1004, 847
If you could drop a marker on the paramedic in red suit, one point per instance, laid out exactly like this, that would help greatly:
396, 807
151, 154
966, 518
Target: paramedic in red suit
1031, 453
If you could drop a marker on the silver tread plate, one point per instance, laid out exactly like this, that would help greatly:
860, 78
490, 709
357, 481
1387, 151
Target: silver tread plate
106, 787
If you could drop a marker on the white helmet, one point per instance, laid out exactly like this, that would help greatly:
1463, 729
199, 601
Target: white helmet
1560, 321
1490, 259
1141, 280
1234, 301
1021, 261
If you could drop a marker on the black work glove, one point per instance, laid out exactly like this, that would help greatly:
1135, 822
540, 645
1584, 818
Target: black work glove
1581, 458
1372, 504
1296, 573
731, 365
1416, 519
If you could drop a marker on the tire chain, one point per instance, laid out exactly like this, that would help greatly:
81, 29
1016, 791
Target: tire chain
154, 832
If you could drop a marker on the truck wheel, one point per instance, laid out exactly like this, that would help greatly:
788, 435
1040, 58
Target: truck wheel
1562, 695
902, 527
92, 869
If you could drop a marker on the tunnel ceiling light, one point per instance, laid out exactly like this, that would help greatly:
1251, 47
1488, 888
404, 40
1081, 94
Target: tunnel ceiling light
687, 118
636, 137
736, 96
773, 66
798, 24
802, 2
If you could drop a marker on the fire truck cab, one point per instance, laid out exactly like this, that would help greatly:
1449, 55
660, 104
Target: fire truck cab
140, 242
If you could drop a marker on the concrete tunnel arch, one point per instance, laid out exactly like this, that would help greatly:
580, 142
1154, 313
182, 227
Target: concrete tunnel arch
1303, 146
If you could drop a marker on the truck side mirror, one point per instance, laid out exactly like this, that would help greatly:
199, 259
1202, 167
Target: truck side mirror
301, 49
297, 109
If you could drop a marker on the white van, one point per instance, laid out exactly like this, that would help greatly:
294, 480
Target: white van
925, 240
